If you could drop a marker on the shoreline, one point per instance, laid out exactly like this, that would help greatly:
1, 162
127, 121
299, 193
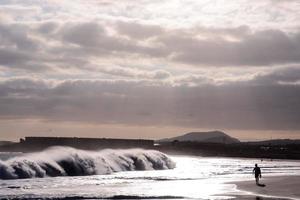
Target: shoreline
277, 187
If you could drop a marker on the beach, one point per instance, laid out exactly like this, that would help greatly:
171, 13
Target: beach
68, 173
279, 187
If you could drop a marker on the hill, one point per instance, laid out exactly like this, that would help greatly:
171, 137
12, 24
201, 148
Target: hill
209, 137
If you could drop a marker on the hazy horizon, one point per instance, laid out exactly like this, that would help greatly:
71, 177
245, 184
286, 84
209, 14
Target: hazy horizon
135, 133
149, 69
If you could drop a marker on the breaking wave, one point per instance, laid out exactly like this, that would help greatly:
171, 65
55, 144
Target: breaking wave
67, 161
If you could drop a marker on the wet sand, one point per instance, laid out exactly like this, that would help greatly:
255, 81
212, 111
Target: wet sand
283, 187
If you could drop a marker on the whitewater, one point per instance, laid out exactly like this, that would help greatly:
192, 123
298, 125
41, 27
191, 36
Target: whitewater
68, 173
67, 161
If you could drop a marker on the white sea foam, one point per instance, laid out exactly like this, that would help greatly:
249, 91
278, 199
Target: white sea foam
193, 178
67, 161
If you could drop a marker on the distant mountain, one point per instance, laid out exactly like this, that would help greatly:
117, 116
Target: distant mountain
275, 142
210, 136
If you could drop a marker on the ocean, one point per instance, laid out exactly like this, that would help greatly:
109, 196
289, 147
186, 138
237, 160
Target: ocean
67, 173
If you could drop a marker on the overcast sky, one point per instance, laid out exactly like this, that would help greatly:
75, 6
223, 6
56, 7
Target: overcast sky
149, 68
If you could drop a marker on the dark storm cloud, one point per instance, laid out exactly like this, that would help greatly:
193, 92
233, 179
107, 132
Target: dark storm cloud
74, 44
96, 40
289, 75
20, 50
260, 48
85, 34
139, 31
48, 28
270, 100
12, 57
242, 105
17, 35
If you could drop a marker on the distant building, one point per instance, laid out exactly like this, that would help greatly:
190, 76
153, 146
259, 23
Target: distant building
37, 143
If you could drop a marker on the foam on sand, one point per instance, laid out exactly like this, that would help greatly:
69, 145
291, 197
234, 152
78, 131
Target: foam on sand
67, 161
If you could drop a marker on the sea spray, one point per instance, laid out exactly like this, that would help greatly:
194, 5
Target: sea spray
67, 161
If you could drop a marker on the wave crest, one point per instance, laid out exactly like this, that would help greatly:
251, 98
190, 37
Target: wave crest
67, 161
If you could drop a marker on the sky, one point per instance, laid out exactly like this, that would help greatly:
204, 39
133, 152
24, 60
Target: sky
149, 68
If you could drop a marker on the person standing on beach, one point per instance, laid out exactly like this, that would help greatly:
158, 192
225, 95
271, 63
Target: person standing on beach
257, 173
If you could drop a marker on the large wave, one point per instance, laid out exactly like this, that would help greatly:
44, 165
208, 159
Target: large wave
67, 161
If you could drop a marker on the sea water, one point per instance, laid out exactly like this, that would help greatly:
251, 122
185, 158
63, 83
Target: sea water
132, 174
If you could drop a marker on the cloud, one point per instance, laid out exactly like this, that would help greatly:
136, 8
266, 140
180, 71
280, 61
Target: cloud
170, 63
10, 57
281, 75
269, 47
138, 31
53, 45
17, 35
135, 73
84, 34
207, 105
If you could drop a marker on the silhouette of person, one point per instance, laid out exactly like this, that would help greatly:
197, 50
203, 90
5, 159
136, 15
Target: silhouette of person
257, 174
